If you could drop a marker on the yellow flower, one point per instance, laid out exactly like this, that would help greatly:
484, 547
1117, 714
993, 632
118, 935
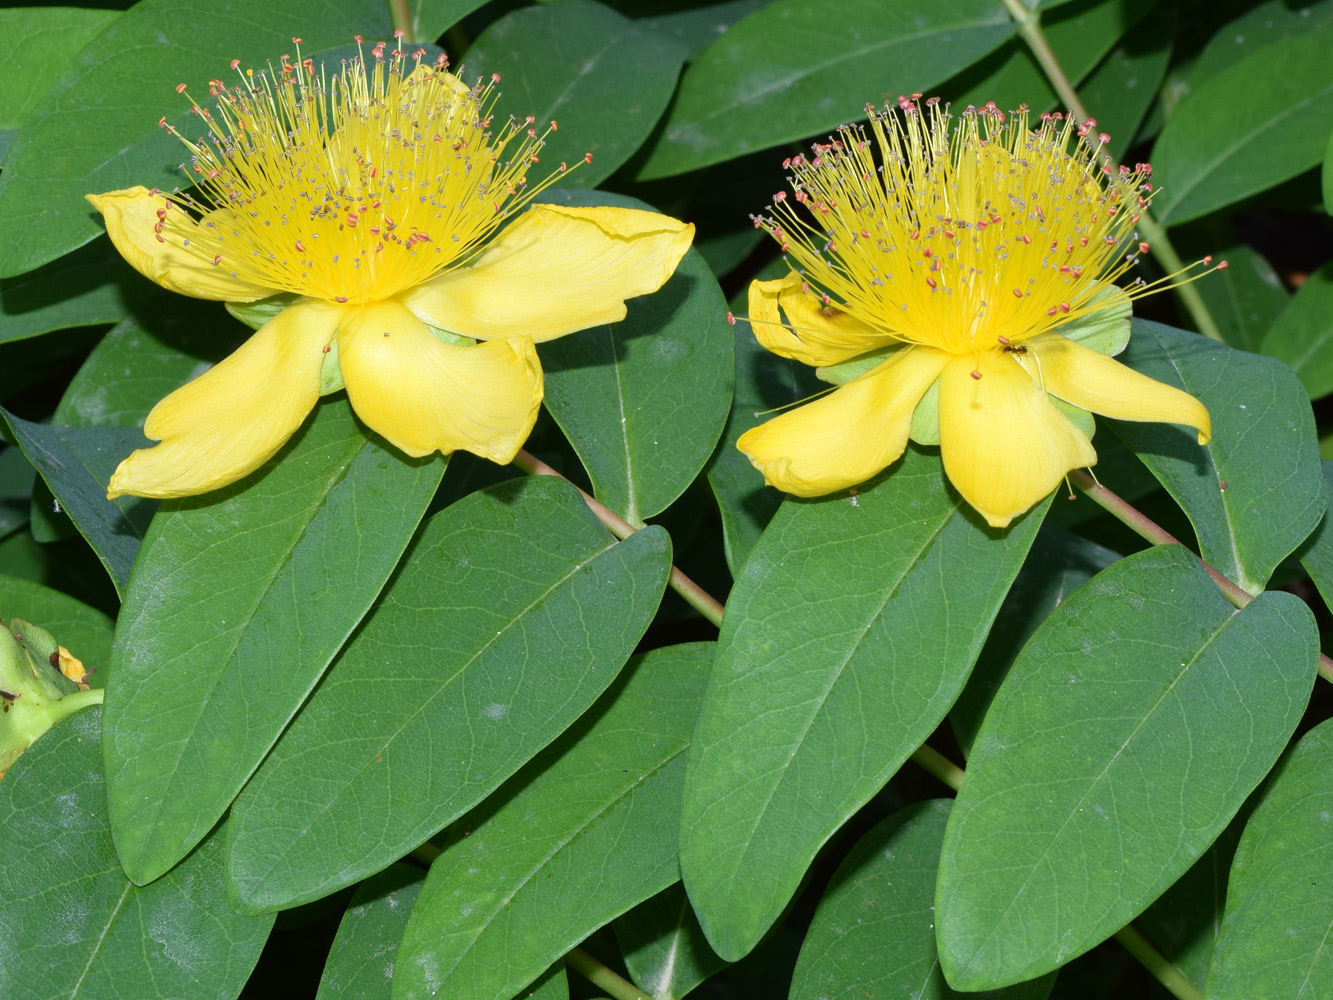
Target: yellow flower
938, 264
357, 214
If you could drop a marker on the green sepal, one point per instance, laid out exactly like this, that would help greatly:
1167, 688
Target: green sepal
1079, 417
1106, 330
30, 688
256, 314
853, 368
331, 373
926, 417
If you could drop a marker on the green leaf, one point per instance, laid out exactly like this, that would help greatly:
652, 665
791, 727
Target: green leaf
1327, 176
431, 18
1255, 491
643, 401
36, 44
1248, 296
1258, 27
1183, 922
1302, 336
112, 96
764, 382
1279, 915
821, 689
1257, 123
699, 27
1057, 565
360, 962
16, 484
512, 612
143, 359
240, 600
1079, 33
1126, 736
71, 925
604, 78
77, 463
89, 286
567, 845
664, 947
874, 932
1119, 92
1317, 552
793, 68
84, 631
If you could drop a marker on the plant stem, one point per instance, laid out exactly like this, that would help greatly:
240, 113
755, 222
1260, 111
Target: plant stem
602, 977
935, 763
401, 15
74, 701
694, 595
1151, 531
1029, 27
1156, 963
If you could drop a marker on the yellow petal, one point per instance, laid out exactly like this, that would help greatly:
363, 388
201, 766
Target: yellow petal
555, 270
232, 419
130, 218
818, 334
423, 395
1004, 444
1095, 382
848, 436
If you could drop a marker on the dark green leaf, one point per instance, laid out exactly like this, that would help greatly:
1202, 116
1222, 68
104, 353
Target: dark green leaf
1120, 90
1128, 733
604, 78
1302, 336
567, 845
84, 631
1279, 915
1183, 922
360, 963
36, 44
1058, 564
1328, 176
1244, 299
1317, 552
240, 600
431, 18
89, 286
821, 689
664, 947
113, 94
1257, 123
644, 400
512, 612
1255, 491
146, 357
1079, 33
764, 382
77, 463
874, 932
16, 483
793, 68
1263, 25
699, 27
71, 925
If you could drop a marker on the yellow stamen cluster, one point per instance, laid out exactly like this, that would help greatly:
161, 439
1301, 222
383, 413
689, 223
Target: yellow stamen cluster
969, 234
353, 187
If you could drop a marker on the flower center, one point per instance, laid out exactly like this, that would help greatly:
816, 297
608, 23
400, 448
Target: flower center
357, 186
966, 235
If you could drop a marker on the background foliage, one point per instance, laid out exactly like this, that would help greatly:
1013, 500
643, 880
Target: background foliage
393, 729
